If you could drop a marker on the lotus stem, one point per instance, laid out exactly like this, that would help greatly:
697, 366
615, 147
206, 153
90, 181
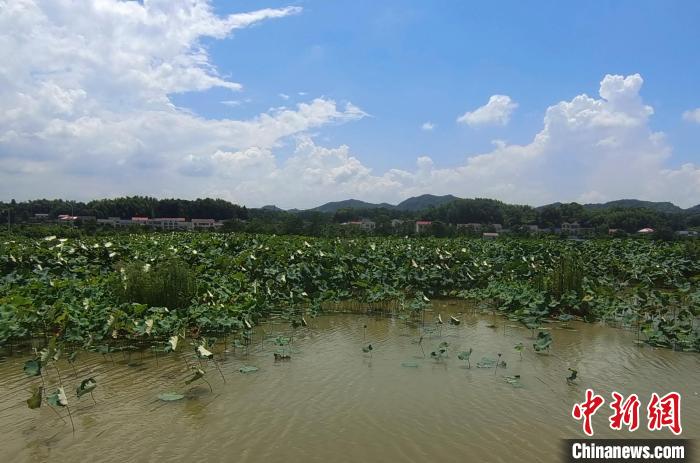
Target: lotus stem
220, 372
71, 418
56, 412
210, 388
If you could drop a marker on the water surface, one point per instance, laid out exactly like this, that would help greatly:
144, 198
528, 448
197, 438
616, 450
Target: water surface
332, 402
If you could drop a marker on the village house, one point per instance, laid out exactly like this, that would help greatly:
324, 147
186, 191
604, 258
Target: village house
205, 223
423, 226
490, 235
363, 224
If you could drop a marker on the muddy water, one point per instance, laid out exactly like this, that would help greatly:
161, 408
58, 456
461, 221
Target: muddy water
331, 402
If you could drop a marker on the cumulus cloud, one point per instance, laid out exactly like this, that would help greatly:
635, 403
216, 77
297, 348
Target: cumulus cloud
428, 126
496, 112
85, 111
692, 115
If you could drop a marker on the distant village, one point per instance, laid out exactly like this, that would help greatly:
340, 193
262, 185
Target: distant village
161, 223
494, 230
364, 225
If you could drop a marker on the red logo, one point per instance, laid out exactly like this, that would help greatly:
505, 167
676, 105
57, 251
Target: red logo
662, 412
665, 412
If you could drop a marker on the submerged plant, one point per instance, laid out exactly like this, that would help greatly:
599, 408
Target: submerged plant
513, 381
170, 396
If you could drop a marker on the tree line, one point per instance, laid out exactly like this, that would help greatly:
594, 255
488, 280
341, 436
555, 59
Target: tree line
445, 217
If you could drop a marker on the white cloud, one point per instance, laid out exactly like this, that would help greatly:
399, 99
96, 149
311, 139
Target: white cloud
232, 103
85, 112
496, 112
428, 126
284, 96
692, 115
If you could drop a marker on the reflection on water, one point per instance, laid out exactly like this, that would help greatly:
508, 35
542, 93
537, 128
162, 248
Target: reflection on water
331, 402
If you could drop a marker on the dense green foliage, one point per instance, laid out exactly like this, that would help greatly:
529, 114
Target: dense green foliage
93, 290
627, 216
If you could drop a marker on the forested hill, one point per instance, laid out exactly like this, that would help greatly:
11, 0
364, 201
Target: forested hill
628, 215
415, 203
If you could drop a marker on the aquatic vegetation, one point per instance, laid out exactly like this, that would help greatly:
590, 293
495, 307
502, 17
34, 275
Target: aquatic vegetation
131, 293
219, 283
86, 386
572, 376
464, 356
248, 369
488, 362
519, 348
440, 352
513, 381
170, 396
543, 341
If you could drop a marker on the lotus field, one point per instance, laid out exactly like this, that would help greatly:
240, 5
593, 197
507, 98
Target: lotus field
149, 291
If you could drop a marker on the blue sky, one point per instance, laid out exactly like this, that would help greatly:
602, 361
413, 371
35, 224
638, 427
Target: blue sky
406, 62
301, 102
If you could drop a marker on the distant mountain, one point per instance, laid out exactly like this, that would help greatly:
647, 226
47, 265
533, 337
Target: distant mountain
423, 202
416, 203
419, 203
271, 207
349, 204
666, 207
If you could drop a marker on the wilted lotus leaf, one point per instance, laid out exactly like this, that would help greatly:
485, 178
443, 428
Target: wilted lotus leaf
170, 396
198, 374
172, 343
86, 386
35, 400
368, 348
202, 352
33, 367
409, 364
58, 398
248, 369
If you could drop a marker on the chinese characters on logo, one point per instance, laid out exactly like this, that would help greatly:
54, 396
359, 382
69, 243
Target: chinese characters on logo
662, 412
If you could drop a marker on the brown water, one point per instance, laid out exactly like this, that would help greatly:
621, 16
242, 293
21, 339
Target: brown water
331, 402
